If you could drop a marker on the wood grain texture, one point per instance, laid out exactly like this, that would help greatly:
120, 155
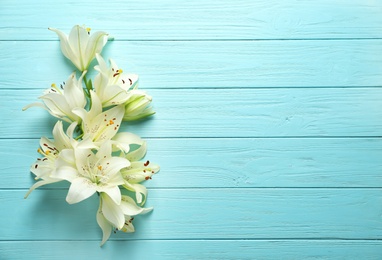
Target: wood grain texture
268, 128
208, 64
197, 19
217, 162
203, 214
194, 249
227, 113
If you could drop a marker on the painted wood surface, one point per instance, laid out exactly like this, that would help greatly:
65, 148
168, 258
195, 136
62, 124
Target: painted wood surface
268, 128
208, 64
197, 19
197, 249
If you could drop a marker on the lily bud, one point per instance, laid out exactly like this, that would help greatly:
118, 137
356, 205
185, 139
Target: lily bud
137, 107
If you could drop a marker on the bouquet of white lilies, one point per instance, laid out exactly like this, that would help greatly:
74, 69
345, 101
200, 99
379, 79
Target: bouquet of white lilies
91, 154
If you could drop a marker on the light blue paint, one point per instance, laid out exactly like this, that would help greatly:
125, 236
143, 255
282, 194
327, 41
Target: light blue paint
268, 126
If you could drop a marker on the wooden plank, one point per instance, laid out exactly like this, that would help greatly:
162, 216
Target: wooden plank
197, 19
193, 249
203, 214
208, 64
269, 162
218, 113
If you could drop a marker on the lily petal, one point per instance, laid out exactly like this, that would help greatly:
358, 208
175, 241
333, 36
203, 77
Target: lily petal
80, 189
140, 191
95, 44
112, 211
113, 165
130, 208
104, 225
66, 173
66, 158
138, 154
78, 39
123, 141
39, 184
62, 141
74, 94
65, 47
113, 192
139, 171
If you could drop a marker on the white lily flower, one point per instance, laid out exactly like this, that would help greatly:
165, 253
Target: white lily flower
112, 85
120, 216
138, 172
98, 172
44, 168
115, 87
99, 126
80, 47
60, 102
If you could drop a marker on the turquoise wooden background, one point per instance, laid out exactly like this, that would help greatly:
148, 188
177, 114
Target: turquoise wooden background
268, 128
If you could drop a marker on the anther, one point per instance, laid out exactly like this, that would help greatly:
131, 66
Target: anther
88, 30
146, 163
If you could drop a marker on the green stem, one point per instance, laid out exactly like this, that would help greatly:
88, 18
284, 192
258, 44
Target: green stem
89, 86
